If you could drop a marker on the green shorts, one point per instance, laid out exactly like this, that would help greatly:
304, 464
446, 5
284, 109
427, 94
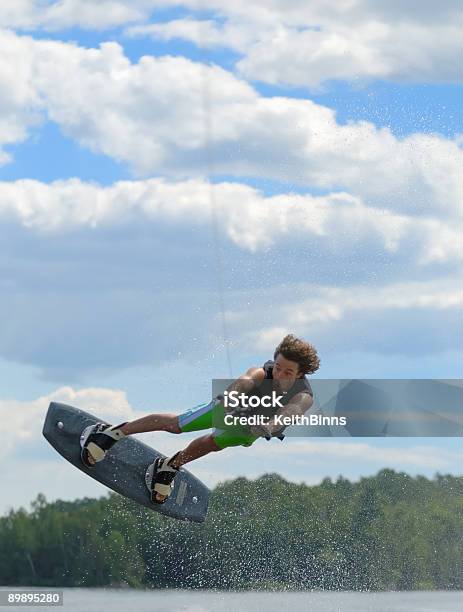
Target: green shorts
211, 416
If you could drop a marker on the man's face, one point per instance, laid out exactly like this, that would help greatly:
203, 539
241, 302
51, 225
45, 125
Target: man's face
285, 372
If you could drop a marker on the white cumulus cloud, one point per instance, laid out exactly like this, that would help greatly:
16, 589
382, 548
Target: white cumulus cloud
246, 217
407, 318
169, 115
21, 422
61, 14
310, 43
283, 41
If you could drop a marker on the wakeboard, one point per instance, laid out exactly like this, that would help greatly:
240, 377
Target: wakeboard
125, 466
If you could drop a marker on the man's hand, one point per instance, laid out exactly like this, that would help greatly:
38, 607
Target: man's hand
264, 431
297, 406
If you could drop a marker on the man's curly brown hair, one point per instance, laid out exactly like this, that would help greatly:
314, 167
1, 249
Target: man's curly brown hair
303, 353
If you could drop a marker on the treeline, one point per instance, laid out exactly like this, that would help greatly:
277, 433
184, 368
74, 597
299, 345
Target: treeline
390, 531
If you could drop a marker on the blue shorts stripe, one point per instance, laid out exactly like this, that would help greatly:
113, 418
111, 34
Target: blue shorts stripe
192, 414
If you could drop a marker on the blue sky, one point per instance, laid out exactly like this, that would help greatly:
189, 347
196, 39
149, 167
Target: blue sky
332, 162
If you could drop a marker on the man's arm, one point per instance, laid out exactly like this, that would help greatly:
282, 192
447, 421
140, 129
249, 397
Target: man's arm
247, 381
298, 405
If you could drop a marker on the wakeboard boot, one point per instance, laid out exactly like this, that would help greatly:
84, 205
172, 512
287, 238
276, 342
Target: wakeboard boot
96, 440
160, 478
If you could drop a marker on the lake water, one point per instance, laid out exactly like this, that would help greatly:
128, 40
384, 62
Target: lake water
121, 600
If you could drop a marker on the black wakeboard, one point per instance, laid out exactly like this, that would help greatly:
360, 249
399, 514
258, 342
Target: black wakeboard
124, 467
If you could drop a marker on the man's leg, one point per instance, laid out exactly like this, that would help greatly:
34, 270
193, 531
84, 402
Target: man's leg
195, 419
152, 422
196, 449
170, 422
98, 443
